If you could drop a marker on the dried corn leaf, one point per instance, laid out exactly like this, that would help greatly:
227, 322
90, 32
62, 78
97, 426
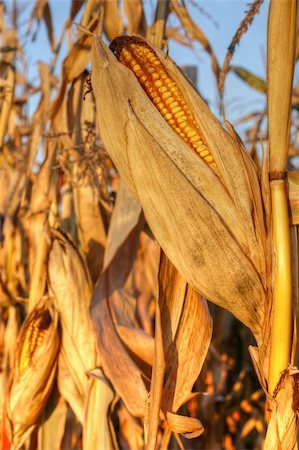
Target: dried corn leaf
189, 427
6, 101
139, 342
67, 223
74, 64
42, 197
92, 6
135, 16
252, 80
76, 5
91, 231
176, 35
145, 273
41, 11
116, 362
40, 115
75, 105
12, 183
203, 227
113, 21
195, 32
32, 382
90, 225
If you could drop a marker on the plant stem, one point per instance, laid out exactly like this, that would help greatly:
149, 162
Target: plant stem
282, 325
156, 32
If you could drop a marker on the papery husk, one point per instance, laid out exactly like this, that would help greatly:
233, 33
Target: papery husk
71, 288
30, 390
117, 363
183, 335
282, 428
131, 432
210, 228
99, 398
52, 427
89, 399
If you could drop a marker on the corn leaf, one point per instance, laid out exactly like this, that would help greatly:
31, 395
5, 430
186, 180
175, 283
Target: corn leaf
252, 80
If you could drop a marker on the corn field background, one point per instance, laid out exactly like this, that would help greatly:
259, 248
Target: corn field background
140, 241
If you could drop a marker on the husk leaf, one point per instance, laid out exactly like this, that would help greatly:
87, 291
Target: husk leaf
183, 335
117, 364
71, 287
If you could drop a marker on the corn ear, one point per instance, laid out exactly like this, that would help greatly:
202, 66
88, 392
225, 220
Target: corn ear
208, 225
164, 93
33, 339
34, 371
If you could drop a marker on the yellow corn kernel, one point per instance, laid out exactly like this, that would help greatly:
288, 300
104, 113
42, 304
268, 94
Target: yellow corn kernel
138, 56
34, 337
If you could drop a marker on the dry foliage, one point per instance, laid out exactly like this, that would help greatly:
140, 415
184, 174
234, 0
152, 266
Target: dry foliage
140, 240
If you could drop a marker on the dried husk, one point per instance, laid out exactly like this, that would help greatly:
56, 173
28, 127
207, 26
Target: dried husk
131, 432
116, 361
281, 432
210, 228
52, 427
30, 390
183, 335
99, 398
71, 288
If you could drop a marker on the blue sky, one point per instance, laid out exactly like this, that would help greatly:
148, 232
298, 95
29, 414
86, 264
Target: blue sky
225, 15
